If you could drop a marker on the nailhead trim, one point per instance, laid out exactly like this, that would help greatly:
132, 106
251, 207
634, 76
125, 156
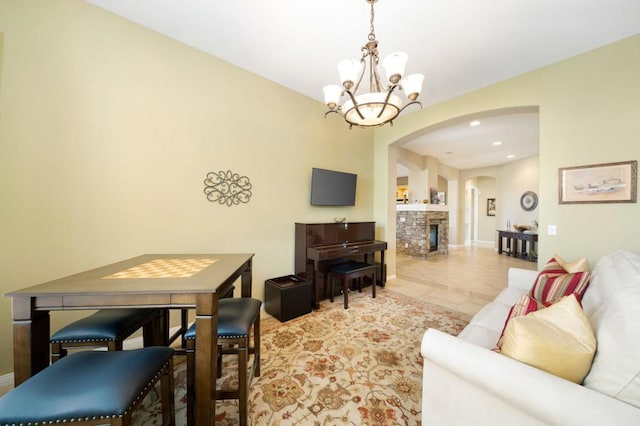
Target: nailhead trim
223, 337
120, 336
143, 393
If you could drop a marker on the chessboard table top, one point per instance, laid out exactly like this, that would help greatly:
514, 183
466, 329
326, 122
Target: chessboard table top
149, 273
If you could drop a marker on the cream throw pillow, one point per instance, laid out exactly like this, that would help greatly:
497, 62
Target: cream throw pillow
580, 265
557, 339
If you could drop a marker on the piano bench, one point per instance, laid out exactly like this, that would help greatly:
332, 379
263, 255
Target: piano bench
346, 272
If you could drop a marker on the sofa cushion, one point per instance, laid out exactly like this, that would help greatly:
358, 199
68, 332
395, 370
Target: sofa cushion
614, 271
511, 295
557, 339
554, 281
616, 322
486, 325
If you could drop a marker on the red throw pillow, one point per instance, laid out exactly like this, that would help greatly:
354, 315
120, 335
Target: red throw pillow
554, 282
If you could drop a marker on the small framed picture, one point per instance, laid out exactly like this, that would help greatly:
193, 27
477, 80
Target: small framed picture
491, 206
598, 183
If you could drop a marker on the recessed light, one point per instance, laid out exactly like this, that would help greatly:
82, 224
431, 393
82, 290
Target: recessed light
496, 143
474, 123
511, 156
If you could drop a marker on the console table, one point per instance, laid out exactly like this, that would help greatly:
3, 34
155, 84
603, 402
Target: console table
513, 240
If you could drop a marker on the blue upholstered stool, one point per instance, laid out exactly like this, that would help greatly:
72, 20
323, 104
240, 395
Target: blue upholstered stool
107, 327
348, 271
184, 320
92, 387
236, 317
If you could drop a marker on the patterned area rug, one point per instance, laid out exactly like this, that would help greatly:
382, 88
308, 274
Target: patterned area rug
360, 366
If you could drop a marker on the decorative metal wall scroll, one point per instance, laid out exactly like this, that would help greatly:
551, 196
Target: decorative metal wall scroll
227, 188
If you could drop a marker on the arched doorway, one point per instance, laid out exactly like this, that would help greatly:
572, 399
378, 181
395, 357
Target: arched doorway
463, 228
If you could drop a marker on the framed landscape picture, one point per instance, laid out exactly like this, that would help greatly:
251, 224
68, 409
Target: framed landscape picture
598, 183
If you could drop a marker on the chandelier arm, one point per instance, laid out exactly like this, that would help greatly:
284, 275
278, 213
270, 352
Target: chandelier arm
330, 111
372, 71
379, 87
376, 85
386, 99
410, 103
355, 104
362, 71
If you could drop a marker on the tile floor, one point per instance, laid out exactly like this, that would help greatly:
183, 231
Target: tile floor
464, 280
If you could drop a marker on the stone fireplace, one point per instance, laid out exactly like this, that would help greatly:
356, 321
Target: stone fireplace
422, 230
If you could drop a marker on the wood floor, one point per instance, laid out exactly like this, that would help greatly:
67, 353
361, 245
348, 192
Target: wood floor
464, 280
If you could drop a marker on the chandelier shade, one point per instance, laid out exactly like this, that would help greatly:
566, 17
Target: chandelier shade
394, 66
349, 70
332, 95
412, 85
380, 105
372, 109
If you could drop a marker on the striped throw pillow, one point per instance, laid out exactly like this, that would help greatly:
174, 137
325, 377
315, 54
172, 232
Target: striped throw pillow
554, 282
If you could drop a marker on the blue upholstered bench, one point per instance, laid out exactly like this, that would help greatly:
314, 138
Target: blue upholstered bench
348, 271
236, 317
92, 387
106, 327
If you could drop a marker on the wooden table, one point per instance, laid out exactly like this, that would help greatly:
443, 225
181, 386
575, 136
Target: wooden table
148, 281
512, 238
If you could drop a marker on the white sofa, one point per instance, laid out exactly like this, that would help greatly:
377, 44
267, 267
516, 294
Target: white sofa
466, 383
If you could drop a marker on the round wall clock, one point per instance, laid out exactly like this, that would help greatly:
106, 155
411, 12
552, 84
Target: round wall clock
529, 201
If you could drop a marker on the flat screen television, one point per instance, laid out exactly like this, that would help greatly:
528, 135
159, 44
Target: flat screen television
332, 188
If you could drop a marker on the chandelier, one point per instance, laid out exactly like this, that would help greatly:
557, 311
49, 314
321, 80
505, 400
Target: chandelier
380, 105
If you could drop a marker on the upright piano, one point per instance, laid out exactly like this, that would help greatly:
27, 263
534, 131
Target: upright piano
318, 246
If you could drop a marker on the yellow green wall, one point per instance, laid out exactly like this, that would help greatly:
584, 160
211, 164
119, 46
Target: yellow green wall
589, 107
107, 131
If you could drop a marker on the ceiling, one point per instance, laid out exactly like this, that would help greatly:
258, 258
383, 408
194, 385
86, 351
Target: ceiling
460, 46
493, 141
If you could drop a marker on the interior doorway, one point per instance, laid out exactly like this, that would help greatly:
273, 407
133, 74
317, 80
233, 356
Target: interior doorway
471, 213
444, 145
